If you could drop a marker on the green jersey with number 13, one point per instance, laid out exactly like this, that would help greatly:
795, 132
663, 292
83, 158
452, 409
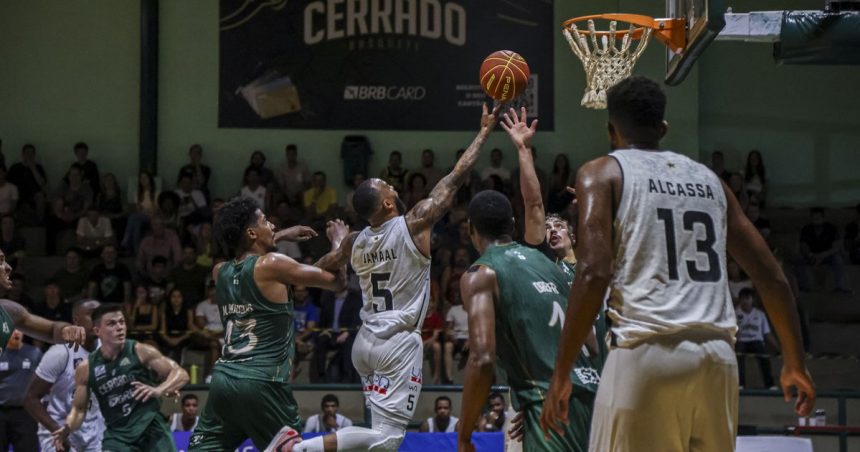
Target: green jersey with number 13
258, 333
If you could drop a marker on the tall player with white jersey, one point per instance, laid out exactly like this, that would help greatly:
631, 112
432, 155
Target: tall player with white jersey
392, 261
656, 227
54, 384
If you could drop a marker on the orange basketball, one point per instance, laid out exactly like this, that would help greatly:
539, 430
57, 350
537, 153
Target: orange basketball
504, 75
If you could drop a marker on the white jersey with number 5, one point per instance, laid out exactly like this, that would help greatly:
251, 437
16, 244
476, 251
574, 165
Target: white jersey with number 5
670, 249
394, 277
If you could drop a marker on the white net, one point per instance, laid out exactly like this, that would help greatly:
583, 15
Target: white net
604, 63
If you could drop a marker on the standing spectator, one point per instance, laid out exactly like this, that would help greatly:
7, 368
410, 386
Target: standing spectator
17, 364
177, 325
558, 197
416, 191
753, 330
29, 177
8, 195
494, 420
496, 168
161, 242
144, 196
186, 420
320, 200
819, 245
754, 177
258, 162
11, 242
431, 335
339, 315
71, 201
852, 244
395, 174
210, 330
457, 329
306, 318
443, 422
198, 172
73, 278
293, 176
94, 231
252, 188
88, 167
718, 166
736, 184
188, 277
110, 280
329, 420
432, 175
192, 202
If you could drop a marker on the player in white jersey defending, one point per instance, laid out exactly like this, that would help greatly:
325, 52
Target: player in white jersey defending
658, 226
392, 261
55, 383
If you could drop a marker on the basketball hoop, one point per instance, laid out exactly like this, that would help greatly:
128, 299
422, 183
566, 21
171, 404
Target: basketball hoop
605, 63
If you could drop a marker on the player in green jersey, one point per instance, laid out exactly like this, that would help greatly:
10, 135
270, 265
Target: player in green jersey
119, 373
250, 395
515, 298
13, 315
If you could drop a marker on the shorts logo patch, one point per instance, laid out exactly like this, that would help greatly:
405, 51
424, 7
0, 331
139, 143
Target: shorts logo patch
416, 376
376, 383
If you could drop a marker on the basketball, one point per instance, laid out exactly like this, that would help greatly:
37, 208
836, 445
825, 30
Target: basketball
504, 75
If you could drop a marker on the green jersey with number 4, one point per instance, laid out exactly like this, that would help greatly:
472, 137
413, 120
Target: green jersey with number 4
529, 317
258, 334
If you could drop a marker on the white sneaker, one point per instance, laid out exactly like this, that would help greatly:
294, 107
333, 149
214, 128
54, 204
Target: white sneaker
285, 440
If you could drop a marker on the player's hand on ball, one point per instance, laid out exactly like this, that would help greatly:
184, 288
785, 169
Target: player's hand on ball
488, 120
517, 430
800, 379
518, 128
74, 335
144, 392
295, 234
555, 405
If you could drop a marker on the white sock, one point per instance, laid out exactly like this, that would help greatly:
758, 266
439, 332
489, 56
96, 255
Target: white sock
310, 445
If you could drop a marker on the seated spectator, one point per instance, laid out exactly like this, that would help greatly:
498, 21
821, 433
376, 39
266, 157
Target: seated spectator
442, 422
71, 201
203, 245
18, 291
738, 281
143, 322
189, 277
144, 198
737, 186
470, 186
543, 180
432, 175
252, 188
94, 231
457, 331
177, 325
496, 169
198, 172
352, 216
109, 203
29, 176
52, 306
431, 335
558, 198
329, 420
416, 191
8, 194
852, 244
156, 280
192, 207
89, 169
306, 318
186, 420
819, 245
293, 176
320, 200
11, 242
258, 162
339, 315
459, 263
753, 330
168, 210
160, 242
210, 330
73, 278
718, 166
754, 177
494, 419
395, 174
761, 223
110, 280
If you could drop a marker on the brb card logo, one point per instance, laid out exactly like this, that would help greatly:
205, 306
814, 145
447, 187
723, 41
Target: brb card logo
354, 92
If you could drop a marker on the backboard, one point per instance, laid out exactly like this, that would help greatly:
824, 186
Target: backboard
704, 22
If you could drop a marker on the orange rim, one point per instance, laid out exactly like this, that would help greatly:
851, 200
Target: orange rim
669, 31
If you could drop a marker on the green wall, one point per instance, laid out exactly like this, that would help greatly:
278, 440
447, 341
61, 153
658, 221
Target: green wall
71, 73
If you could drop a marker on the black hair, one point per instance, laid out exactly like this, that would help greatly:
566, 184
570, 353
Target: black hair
328, 398
320, 173
816, 210
440, 398
159, 260
495, 395
28, 146
231, 221
291, 147
397, 153
106, 308
81, 145
73, 249
195, 145
491, 214
759, 169
365, 200
428, 151
746, 292
636, 107
189, 397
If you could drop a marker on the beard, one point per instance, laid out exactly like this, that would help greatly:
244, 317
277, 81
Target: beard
401, 206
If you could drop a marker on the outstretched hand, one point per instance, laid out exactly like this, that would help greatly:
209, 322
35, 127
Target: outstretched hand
295, 234
489, 119
336, 230
518, 128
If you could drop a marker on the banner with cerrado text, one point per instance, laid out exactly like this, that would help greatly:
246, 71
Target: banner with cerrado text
375, 64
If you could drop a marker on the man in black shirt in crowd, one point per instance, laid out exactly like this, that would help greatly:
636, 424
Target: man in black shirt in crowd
110, 280
819, 245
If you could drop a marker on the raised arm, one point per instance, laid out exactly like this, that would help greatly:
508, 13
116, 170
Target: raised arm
521, 135
427, 212
341, 246
43, 329
80, 401
478, 288
749, 249
172, 375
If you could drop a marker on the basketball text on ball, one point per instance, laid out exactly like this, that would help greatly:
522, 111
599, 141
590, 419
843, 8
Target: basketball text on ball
504, 75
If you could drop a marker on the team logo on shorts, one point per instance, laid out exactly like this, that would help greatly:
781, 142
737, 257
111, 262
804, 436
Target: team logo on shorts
416, 376
376, 383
